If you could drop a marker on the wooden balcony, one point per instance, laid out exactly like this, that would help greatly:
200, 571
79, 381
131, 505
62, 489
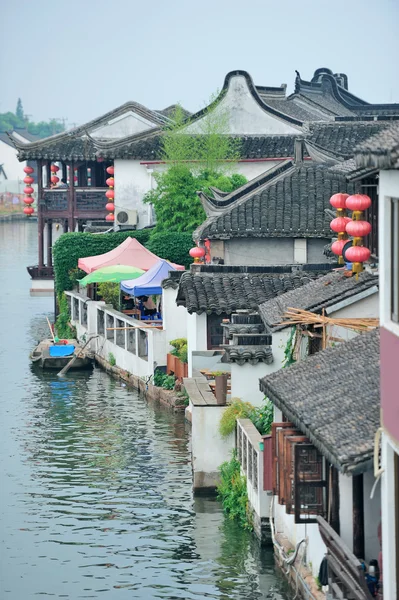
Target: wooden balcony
79, 202
37, 272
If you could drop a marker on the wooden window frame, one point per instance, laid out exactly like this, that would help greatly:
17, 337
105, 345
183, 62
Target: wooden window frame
287, 445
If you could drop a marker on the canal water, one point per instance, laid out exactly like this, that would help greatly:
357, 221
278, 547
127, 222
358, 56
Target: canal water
95, 482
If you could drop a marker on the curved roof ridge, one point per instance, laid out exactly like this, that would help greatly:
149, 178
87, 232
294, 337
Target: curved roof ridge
255, 94
82, 129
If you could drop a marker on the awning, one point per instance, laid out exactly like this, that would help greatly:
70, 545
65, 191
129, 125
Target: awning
130, 252
150, 282
111, 274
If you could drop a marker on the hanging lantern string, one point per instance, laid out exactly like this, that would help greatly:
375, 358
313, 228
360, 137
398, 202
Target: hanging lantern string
110, 194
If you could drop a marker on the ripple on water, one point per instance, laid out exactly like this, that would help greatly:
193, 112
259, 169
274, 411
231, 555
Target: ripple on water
96, 498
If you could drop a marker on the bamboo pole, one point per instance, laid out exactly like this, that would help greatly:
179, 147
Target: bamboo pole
78, 355
51, 330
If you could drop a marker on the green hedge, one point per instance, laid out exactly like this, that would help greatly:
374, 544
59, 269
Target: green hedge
71, 246
174, 246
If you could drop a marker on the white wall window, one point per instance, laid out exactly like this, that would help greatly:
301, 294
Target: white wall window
395, 260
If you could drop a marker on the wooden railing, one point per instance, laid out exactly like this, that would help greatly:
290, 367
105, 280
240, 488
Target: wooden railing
346, 578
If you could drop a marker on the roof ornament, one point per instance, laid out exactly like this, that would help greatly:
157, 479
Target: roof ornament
297, 82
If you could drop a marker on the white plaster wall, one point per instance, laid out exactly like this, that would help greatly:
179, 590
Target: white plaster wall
345, 509
196, 337
315, 247
372, 517
132, 182
285, 525
245, 114
14, 170
245, 381
209, 449
122, 126
388, 188
262, 251
174, 317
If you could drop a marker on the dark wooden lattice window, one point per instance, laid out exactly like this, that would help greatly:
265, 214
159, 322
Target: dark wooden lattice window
310, 484
298, 474
369, 186
215, 330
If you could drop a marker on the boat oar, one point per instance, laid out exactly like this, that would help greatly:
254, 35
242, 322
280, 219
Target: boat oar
69, 365
51, 329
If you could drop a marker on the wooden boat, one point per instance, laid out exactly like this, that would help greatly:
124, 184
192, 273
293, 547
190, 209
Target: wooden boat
48, 355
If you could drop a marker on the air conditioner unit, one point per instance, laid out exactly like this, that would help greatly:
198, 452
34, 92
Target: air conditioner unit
126, 217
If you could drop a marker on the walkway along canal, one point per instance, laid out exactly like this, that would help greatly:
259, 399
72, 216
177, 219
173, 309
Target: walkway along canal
96, 484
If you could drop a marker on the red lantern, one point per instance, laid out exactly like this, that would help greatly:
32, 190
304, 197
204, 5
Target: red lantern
55, 179
357, 254
358, 202
28, 170
28, 190
28, 210
28, 200
110, 194
196, 253
338, 201
110, 217
337, 247
358, 228
28, 180
339, 224
110, 182
110, 170
110, 206
54, 168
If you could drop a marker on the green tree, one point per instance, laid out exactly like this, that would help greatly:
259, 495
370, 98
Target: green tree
199, 155
175, 200
19, 111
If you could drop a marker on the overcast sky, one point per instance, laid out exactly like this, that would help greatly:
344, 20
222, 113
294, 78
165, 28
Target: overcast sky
76, 59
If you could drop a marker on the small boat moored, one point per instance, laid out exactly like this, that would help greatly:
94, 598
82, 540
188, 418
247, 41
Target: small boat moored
56, 355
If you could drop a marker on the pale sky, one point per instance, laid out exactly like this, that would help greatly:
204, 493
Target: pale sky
77, 59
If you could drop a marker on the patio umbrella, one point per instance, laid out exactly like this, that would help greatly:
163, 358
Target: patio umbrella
112, 274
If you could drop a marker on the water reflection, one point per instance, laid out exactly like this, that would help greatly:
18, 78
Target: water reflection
96, 495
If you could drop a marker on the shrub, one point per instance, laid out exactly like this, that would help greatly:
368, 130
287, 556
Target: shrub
71, 246
63, 327
110, 293
232, 491
172, 246
160, 379
179, 348
262, 417
236, 410
111, 359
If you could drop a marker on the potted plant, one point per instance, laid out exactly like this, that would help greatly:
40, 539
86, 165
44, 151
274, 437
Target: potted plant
177, 358
220, 386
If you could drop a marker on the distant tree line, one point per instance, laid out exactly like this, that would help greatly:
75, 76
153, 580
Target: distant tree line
18, 120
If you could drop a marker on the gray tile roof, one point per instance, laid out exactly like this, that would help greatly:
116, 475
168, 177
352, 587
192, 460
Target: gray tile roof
291, 205
380, 151
342, 137
249, 354
227, 292
333, 397
316, 295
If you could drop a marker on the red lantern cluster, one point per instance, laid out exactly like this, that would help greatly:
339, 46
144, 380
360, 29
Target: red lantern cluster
358, 228
197, 253
54, 178
355, 227
338, 201
28, 190
110, 194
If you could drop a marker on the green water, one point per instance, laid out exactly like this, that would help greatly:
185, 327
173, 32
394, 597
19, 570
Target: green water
96, 498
